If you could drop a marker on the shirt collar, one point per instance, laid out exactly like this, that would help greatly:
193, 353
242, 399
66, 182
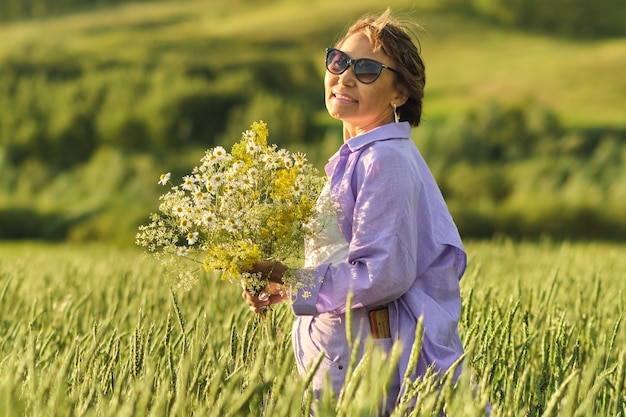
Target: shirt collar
384, 132
400, 130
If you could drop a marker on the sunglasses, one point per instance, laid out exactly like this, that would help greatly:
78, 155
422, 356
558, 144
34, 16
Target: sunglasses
366, 70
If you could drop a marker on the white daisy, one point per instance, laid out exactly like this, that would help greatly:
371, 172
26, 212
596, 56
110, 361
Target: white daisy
299, 160
233, 225
253, 172
192, 238
207, 160
246, 181
202, 198
216, 180
179, 210
209, 219
252, 147
210, 188
184, 224
249, 135
219, 153
282, 154
188, 182
164, 178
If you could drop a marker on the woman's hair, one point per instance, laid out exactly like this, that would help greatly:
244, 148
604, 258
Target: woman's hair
393, 36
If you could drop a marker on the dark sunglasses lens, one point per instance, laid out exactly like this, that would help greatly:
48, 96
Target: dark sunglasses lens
367, 70
336, 61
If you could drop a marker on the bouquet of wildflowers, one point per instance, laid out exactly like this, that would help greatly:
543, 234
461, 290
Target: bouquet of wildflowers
235, 209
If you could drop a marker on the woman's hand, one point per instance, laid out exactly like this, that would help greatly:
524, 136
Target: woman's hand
274, 292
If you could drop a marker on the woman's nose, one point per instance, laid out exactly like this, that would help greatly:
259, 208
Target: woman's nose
346, 77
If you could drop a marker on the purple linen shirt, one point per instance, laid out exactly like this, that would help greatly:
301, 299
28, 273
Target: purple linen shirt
404, 250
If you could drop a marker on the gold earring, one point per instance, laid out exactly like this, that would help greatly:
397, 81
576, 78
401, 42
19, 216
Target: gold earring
395, 113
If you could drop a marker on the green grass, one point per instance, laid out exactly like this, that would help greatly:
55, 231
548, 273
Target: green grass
91, 330
469, 62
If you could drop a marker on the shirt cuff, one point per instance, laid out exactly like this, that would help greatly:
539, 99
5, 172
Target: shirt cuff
304, 297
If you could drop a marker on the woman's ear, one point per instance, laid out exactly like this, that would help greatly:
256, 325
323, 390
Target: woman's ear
401, 96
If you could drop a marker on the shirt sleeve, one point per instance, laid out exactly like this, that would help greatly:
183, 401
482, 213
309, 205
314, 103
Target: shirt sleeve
304, 297
381, 264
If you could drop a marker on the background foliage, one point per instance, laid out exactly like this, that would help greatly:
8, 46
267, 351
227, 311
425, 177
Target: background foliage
525, 132
581, 18
563, 17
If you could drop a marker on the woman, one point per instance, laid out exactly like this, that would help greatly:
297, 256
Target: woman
391, 242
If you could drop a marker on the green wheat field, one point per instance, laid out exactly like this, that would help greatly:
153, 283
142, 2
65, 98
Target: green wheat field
93, 330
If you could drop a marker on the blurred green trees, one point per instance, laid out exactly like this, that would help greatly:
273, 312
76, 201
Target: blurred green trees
504, 169
85, 134
514, 169
61, 117
91, 137
26, 9
584, 18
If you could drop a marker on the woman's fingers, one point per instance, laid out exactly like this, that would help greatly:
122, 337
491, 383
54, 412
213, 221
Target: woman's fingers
273, 293
257, 310
257, 303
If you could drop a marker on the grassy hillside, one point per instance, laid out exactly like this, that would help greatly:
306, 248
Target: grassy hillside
469, 62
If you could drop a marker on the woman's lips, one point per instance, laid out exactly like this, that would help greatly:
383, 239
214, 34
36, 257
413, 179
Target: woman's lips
343, 98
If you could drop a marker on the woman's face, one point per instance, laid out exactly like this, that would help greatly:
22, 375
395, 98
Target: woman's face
362, 107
